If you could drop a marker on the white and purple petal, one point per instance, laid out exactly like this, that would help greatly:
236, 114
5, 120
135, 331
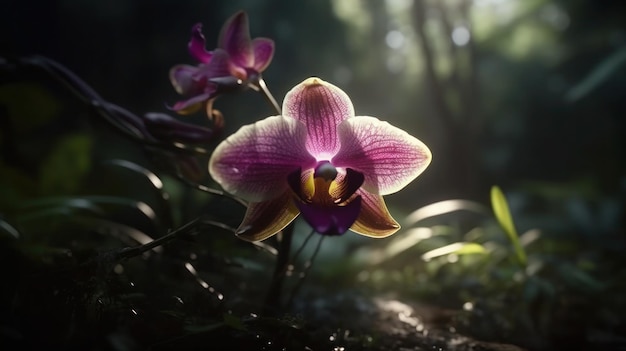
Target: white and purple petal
254, 162
388, 156
321, 106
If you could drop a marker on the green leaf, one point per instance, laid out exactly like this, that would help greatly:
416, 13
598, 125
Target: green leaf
229, 321
93, 203
233, 322
459, 248
203, 328
29, 105
600, 74
8, 229
503, 215
66, 165
577, 278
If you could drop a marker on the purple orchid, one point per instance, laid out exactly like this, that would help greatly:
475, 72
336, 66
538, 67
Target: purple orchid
320, 160
237, 61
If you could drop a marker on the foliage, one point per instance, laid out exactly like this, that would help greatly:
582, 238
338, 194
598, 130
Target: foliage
473, 265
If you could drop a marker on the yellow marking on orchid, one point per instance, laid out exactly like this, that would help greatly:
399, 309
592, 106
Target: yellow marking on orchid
312, 81
321, 195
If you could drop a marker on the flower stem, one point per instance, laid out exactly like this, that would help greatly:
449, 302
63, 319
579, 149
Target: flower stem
303, 275
268, 95
138, 250
272, 299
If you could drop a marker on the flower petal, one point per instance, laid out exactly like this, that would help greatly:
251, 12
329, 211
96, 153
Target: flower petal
264, 219
374, 220
345, 185
322, 107
218, 67
388, 156
182, 79
191, 105
197, 46
302, 184
254, 162
235, 39
330, 220
263, 50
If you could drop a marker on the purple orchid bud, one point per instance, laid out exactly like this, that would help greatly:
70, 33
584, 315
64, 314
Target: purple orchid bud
166, 128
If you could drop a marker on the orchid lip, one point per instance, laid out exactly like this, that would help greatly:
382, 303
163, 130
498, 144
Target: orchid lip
334, 220
326, 200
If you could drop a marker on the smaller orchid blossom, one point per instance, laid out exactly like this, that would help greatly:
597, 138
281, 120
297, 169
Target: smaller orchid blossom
237, 61
320, 160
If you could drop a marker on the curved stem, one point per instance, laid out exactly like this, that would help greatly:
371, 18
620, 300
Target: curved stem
304, 272
260, 83
138, 250
121, 119
209, 190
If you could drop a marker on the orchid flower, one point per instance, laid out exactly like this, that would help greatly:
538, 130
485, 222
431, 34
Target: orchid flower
237, 61
320, 160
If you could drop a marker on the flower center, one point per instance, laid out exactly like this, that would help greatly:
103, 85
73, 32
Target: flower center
326, 171
326, 197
